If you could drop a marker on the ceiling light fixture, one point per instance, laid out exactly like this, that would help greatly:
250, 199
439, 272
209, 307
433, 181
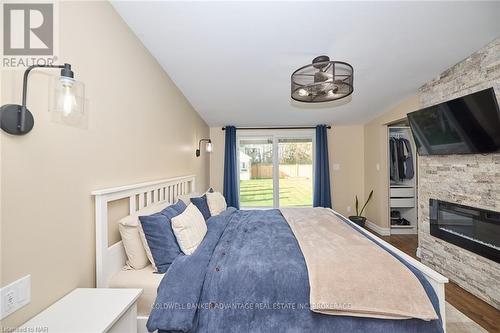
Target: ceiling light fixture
322, 81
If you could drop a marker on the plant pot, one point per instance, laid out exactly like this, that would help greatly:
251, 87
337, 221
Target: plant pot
359, 220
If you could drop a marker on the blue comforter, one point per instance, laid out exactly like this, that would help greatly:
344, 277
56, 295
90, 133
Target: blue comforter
249, 275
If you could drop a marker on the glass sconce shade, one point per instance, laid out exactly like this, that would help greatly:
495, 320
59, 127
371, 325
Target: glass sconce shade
209, 147
67, 103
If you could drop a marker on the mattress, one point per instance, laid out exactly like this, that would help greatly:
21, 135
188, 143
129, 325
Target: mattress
145, 279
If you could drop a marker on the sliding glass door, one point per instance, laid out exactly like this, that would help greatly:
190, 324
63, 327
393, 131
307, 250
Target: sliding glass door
295, 159
275, 170
256, 172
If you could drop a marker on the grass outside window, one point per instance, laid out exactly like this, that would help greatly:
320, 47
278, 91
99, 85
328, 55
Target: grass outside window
259, 192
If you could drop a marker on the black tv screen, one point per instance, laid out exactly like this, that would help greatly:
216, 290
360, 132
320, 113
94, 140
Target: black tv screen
465, 125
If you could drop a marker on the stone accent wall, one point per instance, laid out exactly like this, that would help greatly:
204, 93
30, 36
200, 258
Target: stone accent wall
472, 180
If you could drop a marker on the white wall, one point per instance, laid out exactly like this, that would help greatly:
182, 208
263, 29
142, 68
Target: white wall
141, 129
217, 158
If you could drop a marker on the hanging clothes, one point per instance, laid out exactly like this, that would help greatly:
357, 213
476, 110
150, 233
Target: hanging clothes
409, 170
394, 170
401, 159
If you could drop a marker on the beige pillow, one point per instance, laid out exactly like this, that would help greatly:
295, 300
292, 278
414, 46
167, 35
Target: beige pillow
189, 229
187, 197
216, 203
135, 244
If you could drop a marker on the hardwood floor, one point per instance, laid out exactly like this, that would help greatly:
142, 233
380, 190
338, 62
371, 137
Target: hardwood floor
474, 308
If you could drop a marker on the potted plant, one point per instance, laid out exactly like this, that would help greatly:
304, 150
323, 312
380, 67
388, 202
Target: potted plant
359, 219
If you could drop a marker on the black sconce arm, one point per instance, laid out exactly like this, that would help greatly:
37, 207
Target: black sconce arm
22, 118
27, 72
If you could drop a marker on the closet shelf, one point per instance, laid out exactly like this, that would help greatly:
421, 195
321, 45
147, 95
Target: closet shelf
402, 202
402, 226
402, 192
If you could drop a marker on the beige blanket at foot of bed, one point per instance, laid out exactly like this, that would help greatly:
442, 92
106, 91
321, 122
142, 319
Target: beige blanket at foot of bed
350, 275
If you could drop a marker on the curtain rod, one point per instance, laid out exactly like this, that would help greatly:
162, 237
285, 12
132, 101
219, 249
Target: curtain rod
276, 128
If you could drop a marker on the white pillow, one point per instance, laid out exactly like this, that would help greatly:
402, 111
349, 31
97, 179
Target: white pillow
216, 203
189, 229
187, 197
134, 241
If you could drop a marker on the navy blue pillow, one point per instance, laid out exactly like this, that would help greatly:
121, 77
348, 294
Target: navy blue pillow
202, 205
179, 207
160, 237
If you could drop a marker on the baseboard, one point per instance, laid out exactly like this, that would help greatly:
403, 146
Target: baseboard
378, 229
418, 253
398, 231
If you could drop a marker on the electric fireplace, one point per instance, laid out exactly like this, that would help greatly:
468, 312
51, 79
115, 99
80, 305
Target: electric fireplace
474, 229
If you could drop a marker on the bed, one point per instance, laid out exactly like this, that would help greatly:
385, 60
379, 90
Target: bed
173, 288
145, 279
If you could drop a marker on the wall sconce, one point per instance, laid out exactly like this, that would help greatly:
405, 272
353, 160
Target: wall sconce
69, 100
208, 146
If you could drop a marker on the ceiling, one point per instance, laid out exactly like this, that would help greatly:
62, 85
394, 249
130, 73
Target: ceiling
233, 60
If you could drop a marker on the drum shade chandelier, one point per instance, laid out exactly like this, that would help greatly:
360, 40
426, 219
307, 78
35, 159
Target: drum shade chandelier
322, 81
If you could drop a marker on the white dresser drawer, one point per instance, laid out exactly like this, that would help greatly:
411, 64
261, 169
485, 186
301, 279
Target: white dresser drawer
402, 202
90, 310
402, 192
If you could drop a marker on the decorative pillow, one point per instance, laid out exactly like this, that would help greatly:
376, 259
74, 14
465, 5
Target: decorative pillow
216, 203
159, 236
146, 246
179, 207
130, 228
189, 229
186, 198
202, 205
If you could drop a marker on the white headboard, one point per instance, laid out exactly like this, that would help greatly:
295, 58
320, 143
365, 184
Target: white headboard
111, 259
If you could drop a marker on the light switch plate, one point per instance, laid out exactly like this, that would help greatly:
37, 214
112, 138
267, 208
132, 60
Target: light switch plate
336, 166
15, 295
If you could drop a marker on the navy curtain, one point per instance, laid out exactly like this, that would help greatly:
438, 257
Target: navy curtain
322, 196
231, 168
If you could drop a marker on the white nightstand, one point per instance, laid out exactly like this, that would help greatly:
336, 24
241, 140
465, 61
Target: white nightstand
92, 310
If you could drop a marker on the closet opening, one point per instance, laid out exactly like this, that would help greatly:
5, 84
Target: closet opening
402, 167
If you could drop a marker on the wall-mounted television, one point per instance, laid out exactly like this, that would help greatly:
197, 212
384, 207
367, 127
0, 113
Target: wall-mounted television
465, 125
